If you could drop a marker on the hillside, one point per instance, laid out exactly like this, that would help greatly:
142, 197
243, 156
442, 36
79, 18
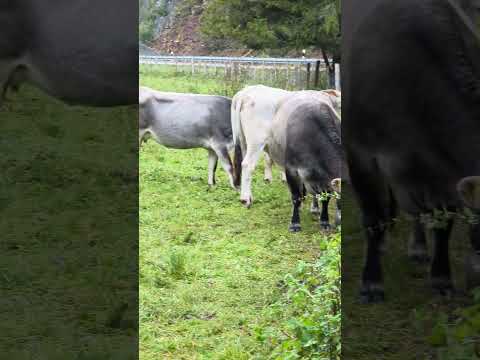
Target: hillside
177, 31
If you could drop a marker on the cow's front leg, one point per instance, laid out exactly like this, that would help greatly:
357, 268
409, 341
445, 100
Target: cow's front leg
417, 245
440, 269
324, 218
212, 166
295, 186
372, 277
375, 202
472, 270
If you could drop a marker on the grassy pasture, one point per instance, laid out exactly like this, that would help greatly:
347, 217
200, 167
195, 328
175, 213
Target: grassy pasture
69, 218
218, 281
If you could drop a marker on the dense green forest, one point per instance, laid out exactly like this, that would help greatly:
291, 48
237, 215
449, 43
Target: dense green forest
250, 24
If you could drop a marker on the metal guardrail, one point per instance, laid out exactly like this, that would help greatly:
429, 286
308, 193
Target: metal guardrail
166, 59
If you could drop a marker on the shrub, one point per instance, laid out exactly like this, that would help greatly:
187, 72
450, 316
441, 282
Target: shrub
313, 299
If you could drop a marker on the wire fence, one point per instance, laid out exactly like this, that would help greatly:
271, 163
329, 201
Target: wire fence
295, 74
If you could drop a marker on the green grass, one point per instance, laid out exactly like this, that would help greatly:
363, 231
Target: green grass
164, 77
68, 204
401, 328
214, 276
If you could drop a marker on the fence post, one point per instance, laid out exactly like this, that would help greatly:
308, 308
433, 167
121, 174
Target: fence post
287, 76
308, 75
236, 71
337, 77
317, 73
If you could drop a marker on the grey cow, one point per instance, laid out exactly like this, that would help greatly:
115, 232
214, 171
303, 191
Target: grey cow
305, 139
187, 121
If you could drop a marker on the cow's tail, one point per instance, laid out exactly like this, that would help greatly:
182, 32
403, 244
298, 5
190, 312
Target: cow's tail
237, 138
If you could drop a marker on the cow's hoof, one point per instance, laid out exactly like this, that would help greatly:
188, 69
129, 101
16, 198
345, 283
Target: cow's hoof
472, 271
314, 211
246, 202
268, 180
325, 225
372, 293
294, 227
443, 286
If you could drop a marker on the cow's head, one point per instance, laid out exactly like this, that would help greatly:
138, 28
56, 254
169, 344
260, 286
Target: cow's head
335, 97
469, 192
337, 185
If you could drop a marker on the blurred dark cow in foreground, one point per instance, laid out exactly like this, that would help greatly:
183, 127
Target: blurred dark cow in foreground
80, 52
305, 139
187, 121
417, 145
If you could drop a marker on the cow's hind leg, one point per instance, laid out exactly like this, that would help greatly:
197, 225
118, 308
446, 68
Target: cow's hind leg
268, 167
226, 162
212, 166
440, 270
324, 218
338, 212
417, 245
295, 185
248, 166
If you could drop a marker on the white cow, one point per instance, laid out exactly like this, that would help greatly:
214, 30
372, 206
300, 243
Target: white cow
253, 109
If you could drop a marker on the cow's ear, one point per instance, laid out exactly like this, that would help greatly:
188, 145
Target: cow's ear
469, 191
331, 92
337, 185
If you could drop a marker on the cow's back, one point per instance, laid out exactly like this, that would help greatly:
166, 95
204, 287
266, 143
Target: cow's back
185, 120
306, 136
259, 102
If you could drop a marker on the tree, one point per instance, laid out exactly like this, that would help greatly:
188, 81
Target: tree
149, 11
268, 24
